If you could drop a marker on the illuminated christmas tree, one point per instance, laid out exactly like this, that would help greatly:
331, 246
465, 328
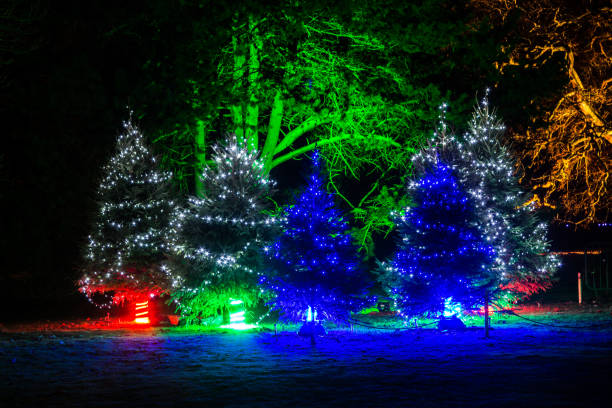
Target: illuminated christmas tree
315, 272
512, 227
442, 258
126, 250
220, 236
485, 168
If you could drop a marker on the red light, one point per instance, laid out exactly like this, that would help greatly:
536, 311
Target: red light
142, 313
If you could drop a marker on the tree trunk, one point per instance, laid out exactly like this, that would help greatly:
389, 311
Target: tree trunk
274, 125
252, 109
200, 156
238, 75
487, 315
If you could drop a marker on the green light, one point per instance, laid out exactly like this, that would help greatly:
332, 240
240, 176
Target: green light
237, 318
239, 326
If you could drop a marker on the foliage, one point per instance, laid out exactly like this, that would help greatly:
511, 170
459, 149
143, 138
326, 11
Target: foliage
486, 172
128, 245
205, 303
565, 149
441, 253
359, 80
510, 224
314, 264
220, 235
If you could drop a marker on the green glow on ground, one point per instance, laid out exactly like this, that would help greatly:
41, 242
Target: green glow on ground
239, 326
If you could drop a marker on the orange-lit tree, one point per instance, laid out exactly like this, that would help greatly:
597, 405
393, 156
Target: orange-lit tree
565, 150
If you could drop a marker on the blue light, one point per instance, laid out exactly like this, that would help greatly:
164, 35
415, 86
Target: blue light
442, 263
315, 265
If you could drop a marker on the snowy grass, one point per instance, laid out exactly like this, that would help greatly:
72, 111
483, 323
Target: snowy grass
520, 364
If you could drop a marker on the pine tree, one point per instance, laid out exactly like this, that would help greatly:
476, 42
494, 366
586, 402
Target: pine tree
220, 236
512, 227
441, 256
126, 250
314, 264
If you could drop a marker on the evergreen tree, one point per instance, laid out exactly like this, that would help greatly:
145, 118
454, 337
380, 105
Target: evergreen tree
126, 250
314, 264
441, 256
220, 235
512, 227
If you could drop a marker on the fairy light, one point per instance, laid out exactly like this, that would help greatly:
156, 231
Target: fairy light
486, 171
125, 251
314, 263
220, 232
442, 261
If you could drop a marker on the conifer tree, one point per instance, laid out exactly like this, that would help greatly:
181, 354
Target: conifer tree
441, 258
512, 227
127, 248
220, 235
314, 266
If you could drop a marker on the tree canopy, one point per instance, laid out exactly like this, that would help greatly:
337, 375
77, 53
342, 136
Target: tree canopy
361, 81
565, 145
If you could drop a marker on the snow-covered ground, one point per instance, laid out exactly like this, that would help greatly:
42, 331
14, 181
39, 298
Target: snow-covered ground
519, 365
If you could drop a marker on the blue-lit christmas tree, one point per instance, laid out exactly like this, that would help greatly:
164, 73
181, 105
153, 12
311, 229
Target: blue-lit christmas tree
315, 272
442, 260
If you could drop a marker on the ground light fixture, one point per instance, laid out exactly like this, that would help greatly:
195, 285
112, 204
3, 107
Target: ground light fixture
142, 312
237, 312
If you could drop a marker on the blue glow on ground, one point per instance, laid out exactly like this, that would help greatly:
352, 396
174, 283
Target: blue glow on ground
528, 366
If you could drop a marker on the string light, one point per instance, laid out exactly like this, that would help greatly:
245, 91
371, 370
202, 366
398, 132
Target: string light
443, 261
314, 265
486, 172
125, 252
220, 234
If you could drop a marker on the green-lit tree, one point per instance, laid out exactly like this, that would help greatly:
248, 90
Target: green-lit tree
334, 76
127, 248
219, 236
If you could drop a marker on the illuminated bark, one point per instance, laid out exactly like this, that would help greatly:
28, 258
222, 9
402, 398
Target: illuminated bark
566, 160
200, 155
365, 91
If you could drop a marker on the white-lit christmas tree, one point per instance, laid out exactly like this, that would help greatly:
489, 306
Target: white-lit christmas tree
512, 227
221, 234
126, 250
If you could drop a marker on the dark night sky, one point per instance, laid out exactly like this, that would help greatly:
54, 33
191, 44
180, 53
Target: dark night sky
64, 86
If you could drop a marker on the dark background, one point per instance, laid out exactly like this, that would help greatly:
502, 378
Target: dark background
69, 70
